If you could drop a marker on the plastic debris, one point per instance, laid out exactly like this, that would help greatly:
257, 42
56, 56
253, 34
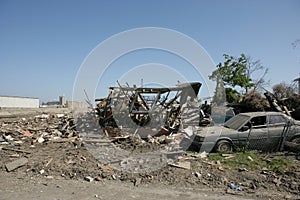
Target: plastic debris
234, 187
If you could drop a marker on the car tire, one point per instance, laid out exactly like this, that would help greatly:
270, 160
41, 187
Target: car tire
224, 146
296, 140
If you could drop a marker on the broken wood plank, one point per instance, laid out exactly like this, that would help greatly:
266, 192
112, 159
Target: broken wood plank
182, 164
16, 150
106, 133
106, 168
228, 156
16, 164
97, 141
48, 163
62, 140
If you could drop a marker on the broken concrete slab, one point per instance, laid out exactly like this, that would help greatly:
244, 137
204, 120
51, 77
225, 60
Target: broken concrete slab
16, 164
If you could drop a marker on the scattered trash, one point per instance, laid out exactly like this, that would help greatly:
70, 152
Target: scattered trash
114, 177
8, 138
137, 182
228, 156
26, 133
60, 115
243, 170
203, 155
41, 140
43, 116
250, 158
277, 181
105, 168
53, 146
197, 174
88, 178
234, 187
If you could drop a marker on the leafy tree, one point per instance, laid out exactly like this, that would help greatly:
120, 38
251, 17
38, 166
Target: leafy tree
238, 72
232, 95
234, 72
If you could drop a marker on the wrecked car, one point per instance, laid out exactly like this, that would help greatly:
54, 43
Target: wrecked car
263, 131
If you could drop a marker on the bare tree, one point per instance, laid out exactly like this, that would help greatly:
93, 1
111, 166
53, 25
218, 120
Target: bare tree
283, 90
254, 66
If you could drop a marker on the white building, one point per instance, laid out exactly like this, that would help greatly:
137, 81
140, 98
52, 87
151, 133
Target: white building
18, 102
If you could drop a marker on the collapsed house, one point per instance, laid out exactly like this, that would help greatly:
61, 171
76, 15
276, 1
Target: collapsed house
164, 109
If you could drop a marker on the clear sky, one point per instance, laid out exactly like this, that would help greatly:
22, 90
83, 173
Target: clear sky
44, 42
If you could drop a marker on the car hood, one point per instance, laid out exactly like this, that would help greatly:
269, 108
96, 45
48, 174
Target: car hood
297, 122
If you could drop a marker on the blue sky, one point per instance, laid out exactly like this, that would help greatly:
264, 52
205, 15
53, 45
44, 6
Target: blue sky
44, 43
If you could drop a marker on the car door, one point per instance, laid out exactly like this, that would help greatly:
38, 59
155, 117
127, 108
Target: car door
276, 124
258, 133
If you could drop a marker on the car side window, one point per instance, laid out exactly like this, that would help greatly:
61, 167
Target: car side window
276, 120
259, 122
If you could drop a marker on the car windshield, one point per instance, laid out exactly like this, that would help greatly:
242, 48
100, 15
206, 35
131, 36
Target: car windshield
236, 122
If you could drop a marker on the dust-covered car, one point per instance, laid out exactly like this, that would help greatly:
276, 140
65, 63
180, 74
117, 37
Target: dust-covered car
265, 131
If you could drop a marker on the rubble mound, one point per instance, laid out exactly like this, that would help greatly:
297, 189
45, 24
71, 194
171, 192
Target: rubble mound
57, 145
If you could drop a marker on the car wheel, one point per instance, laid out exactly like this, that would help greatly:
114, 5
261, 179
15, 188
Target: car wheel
224, 146
296, 140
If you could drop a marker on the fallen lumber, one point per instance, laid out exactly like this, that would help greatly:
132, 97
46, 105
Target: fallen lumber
97, 141
181, 164
16, 150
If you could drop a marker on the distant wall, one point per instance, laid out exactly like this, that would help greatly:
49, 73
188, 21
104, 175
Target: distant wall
18, 102
77, 105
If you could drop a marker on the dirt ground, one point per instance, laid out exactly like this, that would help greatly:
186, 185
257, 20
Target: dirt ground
60, 165
40, 188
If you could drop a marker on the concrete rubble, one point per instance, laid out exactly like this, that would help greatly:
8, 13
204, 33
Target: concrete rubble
74, 146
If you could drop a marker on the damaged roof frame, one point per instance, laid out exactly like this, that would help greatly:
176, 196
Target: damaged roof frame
138, 106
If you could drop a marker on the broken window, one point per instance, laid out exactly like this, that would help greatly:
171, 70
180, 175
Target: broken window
276, 120
259, 122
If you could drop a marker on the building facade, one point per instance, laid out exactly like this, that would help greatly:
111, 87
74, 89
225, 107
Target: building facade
18, 102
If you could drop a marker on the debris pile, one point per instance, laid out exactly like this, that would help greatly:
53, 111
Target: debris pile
66, 151
165, 109
290, 106
37, 129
